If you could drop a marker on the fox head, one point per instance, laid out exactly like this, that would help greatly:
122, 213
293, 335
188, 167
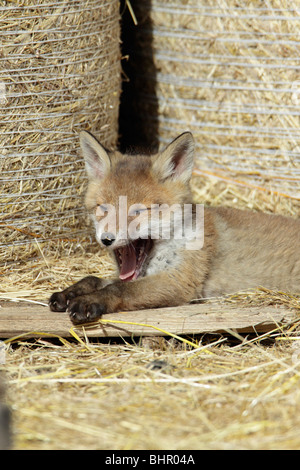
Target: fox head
124, 190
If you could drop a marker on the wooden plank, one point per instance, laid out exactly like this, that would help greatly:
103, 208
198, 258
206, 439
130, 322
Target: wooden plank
31, 320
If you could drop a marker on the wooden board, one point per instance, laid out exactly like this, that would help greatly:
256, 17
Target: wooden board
34, 320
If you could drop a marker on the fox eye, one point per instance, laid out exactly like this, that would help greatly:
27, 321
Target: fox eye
139, 211
101, 209
134, 211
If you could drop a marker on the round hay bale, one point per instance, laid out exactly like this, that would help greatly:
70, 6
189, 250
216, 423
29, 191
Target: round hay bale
229, 72
59, 74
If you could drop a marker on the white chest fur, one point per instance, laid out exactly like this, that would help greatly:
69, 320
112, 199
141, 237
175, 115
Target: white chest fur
166, 254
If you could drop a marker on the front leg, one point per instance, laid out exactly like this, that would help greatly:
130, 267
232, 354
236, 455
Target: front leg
59, 301
160, 290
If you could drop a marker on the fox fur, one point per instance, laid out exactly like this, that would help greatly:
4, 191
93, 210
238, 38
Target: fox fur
240, 250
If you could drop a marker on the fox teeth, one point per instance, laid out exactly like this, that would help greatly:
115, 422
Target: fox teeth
141, 252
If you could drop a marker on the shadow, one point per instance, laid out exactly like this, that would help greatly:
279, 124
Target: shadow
138, 118
5, 418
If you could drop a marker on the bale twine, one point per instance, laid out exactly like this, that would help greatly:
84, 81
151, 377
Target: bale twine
59, 74
229, 72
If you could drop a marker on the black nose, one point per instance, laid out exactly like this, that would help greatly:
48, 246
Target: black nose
107, 238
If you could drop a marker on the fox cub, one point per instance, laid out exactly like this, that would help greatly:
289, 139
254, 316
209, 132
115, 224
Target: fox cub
164, 257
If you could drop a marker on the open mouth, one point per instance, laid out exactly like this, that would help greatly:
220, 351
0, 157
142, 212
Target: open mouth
132, 257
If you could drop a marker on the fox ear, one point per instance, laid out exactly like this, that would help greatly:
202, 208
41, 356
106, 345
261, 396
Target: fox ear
177, 160
97, 161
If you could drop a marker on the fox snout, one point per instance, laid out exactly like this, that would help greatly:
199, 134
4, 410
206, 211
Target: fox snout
107, 238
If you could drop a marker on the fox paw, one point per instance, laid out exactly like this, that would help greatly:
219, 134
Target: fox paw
81, 310
59, 301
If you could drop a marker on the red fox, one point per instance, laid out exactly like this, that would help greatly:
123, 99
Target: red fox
163, 262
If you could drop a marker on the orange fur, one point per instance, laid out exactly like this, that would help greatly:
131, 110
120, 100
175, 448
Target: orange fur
241, 250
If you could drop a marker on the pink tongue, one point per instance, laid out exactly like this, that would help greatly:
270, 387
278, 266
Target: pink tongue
128, 265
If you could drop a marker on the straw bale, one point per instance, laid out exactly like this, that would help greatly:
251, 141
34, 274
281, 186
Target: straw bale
59, 73
229, 72
223, 393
